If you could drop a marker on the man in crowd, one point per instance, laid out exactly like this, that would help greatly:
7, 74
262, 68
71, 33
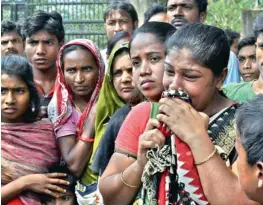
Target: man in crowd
12, 41
233, 39
249, 144
248, 66
44, 35
119, 16
182, 12
244, 91
156, 12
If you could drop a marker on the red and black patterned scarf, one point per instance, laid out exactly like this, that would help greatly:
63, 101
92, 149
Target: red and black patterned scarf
170, 175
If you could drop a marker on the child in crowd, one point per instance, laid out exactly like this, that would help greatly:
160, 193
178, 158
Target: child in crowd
28, 147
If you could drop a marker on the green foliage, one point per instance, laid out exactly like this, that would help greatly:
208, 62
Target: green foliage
228, 13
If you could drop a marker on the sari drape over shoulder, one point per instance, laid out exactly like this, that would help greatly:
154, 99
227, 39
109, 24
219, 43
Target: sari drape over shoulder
61, 105
170, 175
109, 101
27, 148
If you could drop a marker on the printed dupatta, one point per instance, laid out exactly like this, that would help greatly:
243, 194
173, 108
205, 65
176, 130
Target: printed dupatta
170, 175
60, 106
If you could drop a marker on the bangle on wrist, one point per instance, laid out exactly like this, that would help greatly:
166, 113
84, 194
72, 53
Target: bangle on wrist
128, 185
207, 158
86, 139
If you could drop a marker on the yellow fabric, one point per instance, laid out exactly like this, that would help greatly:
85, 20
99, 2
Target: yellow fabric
108, 103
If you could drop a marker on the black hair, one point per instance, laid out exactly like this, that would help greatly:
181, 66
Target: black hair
114, 40
153, 10
202, 5
10, 26
121, 51
247, 41
51, 22
61, 167
160, 30
124, 6
207, 44
249, 121
231, 36
70, 48
20, 67
258, 25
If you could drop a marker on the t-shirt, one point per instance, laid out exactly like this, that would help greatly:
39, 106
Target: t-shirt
70, 127
239, 92
133, 126
233, 74
44, 99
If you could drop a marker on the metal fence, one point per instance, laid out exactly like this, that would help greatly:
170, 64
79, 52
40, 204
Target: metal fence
81, 18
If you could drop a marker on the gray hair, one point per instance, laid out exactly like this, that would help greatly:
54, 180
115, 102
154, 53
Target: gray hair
249, 120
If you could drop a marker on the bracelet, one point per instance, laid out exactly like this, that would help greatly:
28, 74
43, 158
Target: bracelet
206, 159
86, 140
128, 185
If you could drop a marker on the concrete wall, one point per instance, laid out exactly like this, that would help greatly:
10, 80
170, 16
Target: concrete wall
248, 16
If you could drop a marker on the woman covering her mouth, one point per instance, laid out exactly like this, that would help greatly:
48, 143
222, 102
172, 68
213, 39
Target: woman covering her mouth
179, 163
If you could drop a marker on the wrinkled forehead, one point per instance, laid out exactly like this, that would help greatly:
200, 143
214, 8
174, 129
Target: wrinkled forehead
11, 35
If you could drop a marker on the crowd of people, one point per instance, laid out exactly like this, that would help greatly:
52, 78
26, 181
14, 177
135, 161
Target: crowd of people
171, 112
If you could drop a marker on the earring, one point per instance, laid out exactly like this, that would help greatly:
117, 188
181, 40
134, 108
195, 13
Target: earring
33, 107
260, 183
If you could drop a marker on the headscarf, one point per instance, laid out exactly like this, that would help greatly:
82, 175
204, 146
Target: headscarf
60, 107
27, 148
109, 101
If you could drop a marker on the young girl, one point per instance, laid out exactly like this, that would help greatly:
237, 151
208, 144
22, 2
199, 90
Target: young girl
28, 145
